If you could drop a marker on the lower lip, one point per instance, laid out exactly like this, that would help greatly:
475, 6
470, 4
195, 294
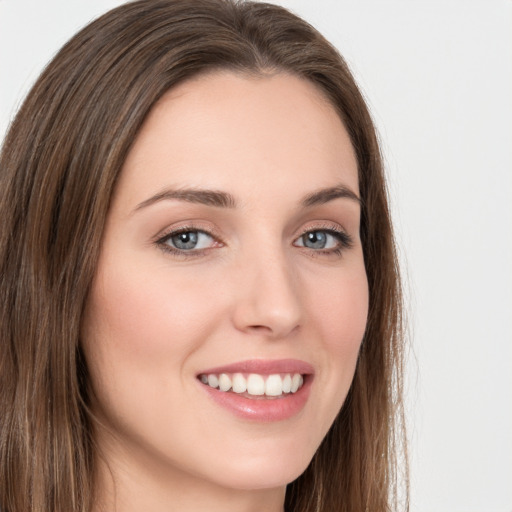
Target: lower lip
262, 409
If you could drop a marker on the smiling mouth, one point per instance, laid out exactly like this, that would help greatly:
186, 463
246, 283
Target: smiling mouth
254, 385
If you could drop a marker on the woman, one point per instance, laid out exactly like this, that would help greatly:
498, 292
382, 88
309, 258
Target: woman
201, 301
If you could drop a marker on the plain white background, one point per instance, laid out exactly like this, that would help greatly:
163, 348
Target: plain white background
438, 79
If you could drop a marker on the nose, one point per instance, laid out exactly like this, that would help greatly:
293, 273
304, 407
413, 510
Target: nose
267, 301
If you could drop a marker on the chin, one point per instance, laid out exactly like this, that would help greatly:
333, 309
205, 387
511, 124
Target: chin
264, 472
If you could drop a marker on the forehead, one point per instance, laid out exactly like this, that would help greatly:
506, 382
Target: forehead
232, 131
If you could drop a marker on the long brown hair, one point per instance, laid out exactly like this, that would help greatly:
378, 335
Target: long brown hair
58, 167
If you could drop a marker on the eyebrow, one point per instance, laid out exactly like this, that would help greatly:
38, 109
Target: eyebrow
192, 195
222, 199
325, 195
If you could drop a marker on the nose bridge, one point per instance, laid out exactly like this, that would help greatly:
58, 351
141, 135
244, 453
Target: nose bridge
268, 298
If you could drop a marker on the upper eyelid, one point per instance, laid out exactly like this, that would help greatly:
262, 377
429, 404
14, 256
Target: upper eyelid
215, 233
341, 234
181, 231
192, 226
324, 226
333, 228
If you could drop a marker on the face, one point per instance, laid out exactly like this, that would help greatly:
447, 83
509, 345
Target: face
230, 300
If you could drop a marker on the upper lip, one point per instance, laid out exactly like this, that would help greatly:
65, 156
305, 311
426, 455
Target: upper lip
263, 367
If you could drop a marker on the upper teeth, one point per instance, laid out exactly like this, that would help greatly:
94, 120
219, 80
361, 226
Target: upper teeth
254, 383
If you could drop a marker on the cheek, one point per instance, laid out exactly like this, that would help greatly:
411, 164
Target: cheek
341, 313
143, 316
140, 328
340, 318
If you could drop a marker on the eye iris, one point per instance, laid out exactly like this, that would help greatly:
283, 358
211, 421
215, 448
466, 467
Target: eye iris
315, 240
187, 240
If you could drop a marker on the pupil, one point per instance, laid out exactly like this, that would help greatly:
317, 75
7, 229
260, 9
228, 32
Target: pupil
316, 240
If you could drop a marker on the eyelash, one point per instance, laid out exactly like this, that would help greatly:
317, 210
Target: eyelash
344, 240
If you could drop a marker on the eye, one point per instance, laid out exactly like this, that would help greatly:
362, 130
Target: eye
326, 240
317, 240
188, 240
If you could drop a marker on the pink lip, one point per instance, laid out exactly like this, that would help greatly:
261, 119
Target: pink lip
264, 367
263, 409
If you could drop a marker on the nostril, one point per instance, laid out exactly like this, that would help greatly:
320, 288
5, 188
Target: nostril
274, 331
259, 327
